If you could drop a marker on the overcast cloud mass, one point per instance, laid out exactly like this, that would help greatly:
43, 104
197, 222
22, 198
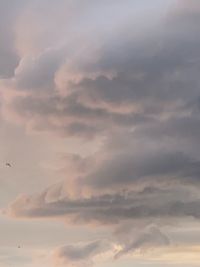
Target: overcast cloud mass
100, 120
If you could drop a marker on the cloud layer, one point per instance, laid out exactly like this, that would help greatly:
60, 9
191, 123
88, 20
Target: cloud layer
132, 84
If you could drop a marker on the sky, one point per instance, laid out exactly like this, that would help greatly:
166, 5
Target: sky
100, 121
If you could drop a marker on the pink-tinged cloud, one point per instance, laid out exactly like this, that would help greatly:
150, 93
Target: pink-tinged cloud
131, 83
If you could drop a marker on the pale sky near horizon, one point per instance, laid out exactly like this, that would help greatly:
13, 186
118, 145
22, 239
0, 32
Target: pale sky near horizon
100, 121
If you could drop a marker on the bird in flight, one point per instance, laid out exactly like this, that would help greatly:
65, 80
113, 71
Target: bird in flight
8, 164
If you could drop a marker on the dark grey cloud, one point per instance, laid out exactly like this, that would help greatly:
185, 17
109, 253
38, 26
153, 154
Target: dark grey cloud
127, 168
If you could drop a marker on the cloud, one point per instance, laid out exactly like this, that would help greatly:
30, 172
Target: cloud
127, 168
152, 237
130, 73
9, 58
86, 254
37, 73
147, 206
123, 83
79, 254
133, 83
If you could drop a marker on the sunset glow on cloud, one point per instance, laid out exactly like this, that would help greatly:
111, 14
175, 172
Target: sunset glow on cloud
99, 133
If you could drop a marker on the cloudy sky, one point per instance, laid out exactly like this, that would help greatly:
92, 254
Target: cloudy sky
100, 120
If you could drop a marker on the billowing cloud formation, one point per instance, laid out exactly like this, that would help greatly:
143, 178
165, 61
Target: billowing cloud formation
94, 84
132, 83
124, 83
